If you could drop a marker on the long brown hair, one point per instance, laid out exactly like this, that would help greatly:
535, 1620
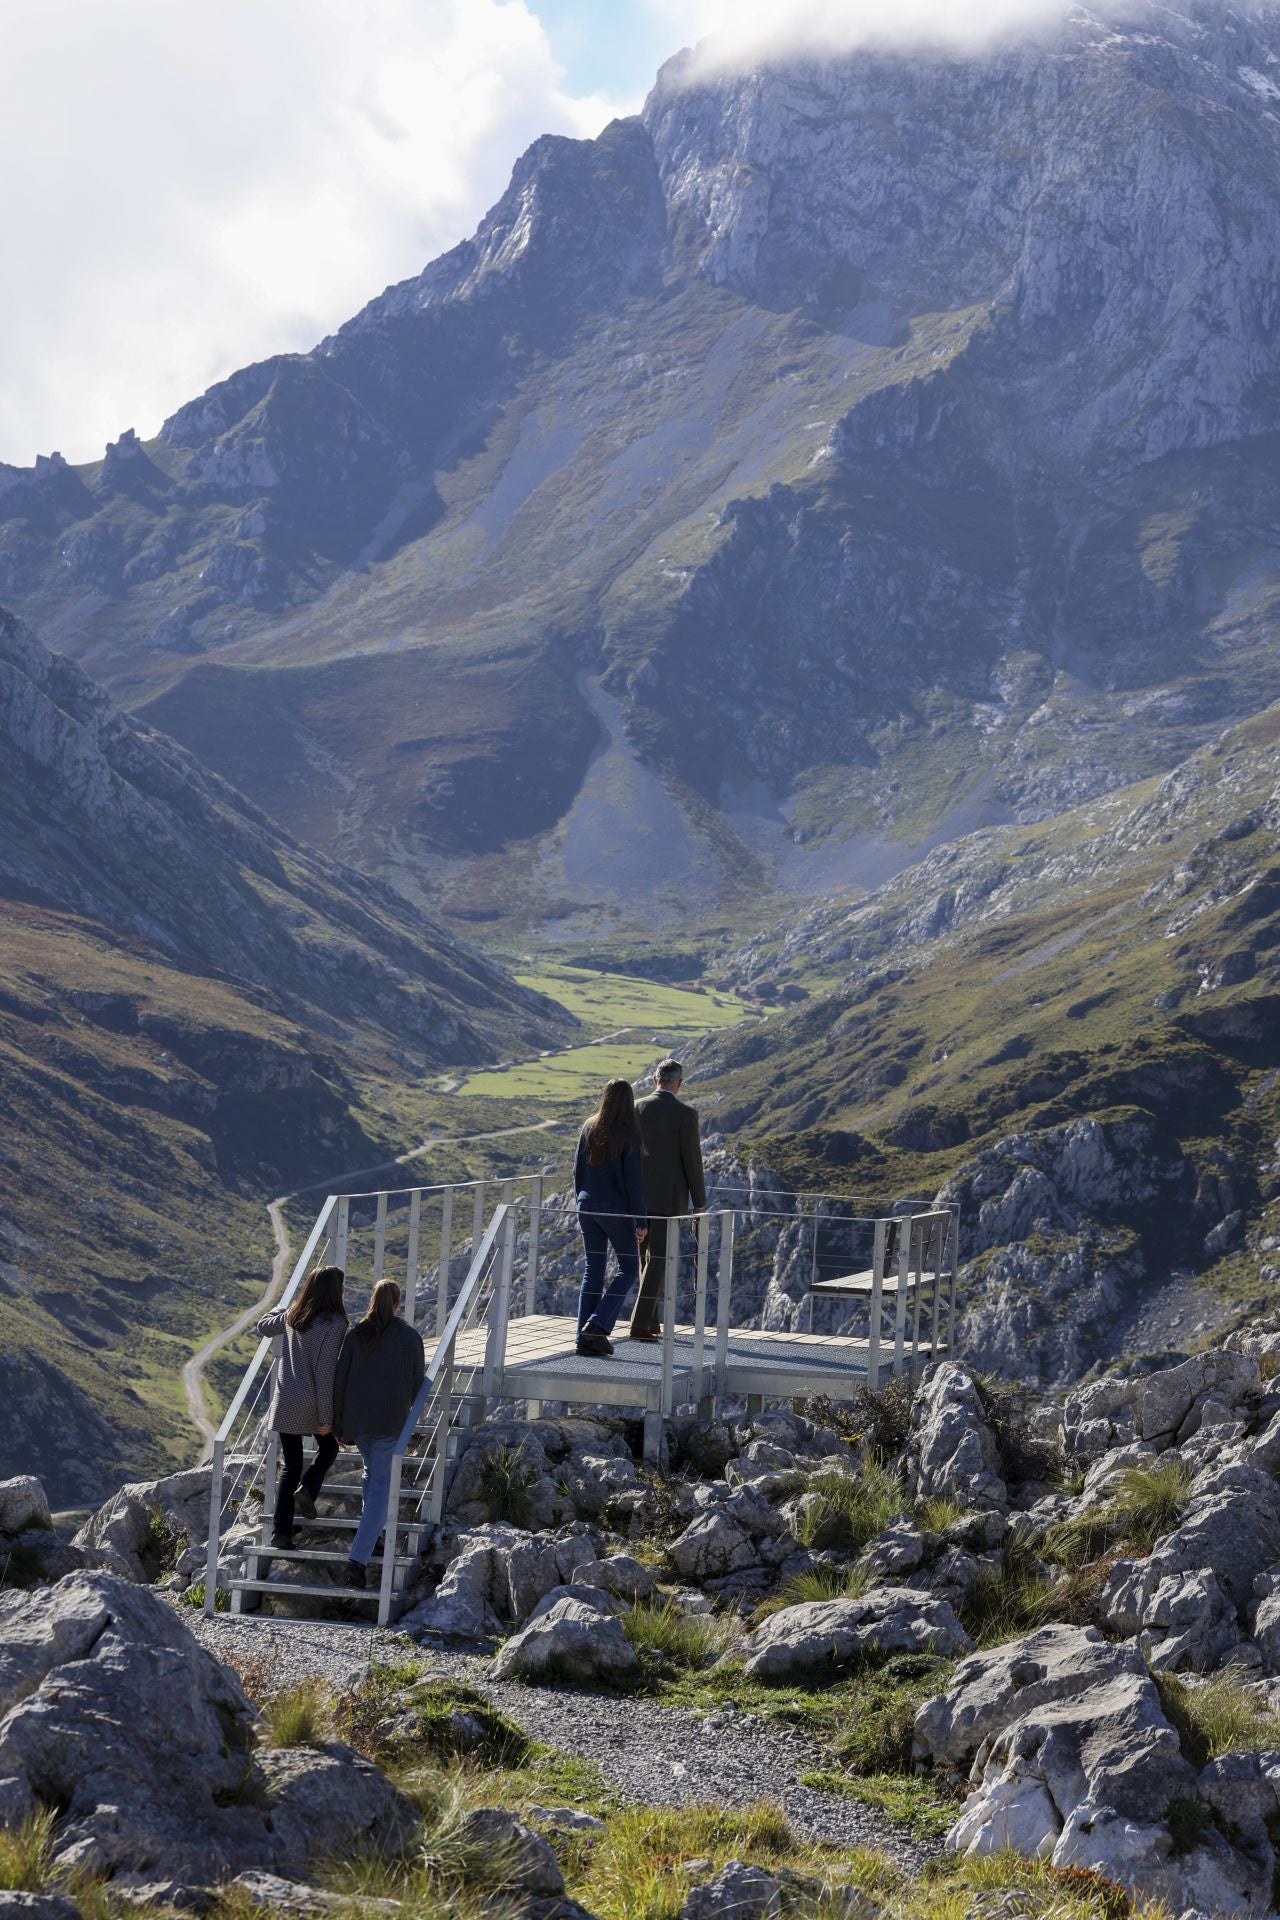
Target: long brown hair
380, 1312
613, 1126
319, 1296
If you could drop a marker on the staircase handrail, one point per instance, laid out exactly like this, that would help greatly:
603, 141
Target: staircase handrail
452, 1326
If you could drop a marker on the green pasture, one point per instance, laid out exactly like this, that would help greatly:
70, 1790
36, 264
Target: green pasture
648, 1017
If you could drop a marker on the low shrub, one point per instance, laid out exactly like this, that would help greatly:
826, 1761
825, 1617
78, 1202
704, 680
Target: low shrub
1025, 1454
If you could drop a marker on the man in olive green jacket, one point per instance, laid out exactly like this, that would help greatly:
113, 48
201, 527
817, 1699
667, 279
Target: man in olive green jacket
673, 1184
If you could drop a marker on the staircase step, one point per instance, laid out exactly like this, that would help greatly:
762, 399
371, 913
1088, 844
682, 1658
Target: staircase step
323, 1554
338, 1522
289, 1591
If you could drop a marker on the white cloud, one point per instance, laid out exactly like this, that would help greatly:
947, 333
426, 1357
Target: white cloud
192, 184
732, 33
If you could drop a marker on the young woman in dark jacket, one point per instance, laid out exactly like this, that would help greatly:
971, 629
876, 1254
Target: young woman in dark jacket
380, 1368
609, 1184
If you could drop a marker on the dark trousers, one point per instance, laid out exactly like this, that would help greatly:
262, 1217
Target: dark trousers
292, 1477
596, 1302
646, 1315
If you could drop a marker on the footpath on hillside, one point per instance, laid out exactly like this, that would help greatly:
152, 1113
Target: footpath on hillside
659, 1756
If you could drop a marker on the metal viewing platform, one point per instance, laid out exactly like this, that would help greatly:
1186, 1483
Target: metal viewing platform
490, 1272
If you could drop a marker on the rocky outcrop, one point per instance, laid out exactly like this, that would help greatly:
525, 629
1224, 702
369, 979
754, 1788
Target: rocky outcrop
111, 1711
820, 1637
571, 1635
951, 1449
1069, 1757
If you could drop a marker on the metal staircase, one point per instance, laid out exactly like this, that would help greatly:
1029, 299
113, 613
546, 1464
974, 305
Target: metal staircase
893, 1280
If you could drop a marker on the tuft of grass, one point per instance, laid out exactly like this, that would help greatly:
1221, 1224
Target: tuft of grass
823, 1583
874, 1736
852, 1508
634, 1869
1021, 1594
298, 1716
193, 1596
505, 1480
686, 1640
26, 1854
1216, 1716
1146, 1503
912, 1802
939, 1512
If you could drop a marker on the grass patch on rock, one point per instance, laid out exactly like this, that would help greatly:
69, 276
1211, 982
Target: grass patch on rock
675, 1639
846, 1510
823, 1583
1216, 1716
1146, 1503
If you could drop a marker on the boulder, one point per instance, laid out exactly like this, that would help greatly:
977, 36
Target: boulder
523, 1859
1191, 1594
272, 1893
151, 1528
826, 1635
899, 1549
23, 1504
991, 1691
574, 1639
742, 1892
1161, 1408
712, 1546
37, 1906
951, 1448
618, 1574
738, 1892
111, 1711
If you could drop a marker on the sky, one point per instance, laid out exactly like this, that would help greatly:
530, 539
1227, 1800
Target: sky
191, 185
194, 184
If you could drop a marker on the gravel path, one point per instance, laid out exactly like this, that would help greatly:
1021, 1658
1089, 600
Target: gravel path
660, 1756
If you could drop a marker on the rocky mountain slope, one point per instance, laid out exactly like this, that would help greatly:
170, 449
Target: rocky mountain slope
1072, 1032
841, 449
192, 1008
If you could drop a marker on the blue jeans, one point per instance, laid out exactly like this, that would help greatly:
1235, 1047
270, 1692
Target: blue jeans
376, 1450
597, 1303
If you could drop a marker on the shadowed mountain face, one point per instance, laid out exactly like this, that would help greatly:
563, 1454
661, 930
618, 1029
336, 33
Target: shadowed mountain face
865, 447
192, 1010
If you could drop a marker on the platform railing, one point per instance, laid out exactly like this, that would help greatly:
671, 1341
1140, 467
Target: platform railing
905, 1297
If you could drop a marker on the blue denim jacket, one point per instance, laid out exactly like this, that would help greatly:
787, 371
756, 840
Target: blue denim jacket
614, 1187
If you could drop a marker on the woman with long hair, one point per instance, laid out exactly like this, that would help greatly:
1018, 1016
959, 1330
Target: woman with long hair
380, 1369
302, 1397
609, 1184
